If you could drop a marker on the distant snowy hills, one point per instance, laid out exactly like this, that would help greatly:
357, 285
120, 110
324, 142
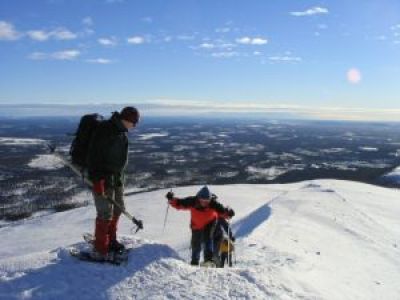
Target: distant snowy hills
393, 177
323, 239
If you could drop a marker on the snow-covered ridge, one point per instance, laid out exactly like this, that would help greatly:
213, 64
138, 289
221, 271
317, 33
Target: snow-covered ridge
320, 239
393, 176
20, 141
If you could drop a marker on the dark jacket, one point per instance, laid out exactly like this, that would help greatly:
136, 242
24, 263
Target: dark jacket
222, 228
201, 216
108, 152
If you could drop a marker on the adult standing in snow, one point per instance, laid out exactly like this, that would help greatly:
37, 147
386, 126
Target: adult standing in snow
204, 209
107, 160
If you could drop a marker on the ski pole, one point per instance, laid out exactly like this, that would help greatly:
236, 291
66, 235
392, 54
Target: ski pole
229, 243
166, 216
135, 221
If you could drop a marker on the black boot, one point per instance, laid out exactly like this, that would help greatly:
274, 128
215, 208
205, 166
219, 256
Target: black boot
116, 246
194, 263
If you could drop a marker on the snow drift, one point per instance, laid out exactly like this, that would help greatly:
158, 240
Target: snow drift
322, 239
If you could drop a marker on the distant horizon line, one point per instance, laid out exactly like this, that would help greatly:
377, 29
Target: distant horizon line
165, 108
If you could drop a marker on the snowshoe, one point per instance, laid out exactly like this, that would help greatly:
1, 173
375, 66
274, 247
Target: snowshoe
111, 258
115, 246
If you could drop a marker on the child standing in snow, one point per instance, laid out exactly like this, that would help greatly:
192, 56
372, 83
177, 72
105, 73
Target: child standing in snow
223, 241
204, 209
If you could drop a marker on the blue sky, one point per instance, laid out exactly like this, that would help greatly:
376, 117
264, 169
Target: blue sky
287, 54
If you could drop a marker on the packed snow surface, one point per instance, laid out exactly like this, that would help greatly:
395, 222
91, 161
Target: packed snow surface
320, 239
46, 162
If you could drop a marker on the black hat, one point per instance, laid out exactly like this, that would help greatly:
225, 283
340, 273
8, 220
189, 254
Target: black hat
204, 193
130, 114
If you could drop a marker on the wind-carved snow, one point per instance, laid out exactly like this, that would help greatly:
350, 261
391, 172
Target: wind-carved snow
321, 239
46, 162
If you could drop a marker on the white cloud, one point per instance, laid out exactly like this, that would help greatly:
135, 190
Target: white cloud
223, 30
207, 46
38, 56
57, 34
136, 40
66, 54
226, 46
216, 44
101, 61
168, 39
259, 41
395, 27
316, 10
38, 35
285, 58
109, 42
71, 54
251, 41
8, 32
63, 34
227, 54
185, 37
243, 40
88, 21
86, 32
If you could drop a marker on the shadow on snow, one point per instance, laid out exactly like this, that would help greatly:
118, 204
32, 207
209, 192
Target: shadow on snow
248, 224
68, 278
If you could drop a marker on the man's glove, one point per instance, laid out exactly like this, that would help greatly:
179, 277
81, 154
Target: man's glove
169, 196
230, 212
214, 197
99, 187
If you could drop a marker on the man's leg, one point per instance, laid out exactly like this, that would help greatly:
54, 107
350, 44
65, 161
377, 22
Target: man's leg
104, 215
208, 242
196, 246
119, 199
